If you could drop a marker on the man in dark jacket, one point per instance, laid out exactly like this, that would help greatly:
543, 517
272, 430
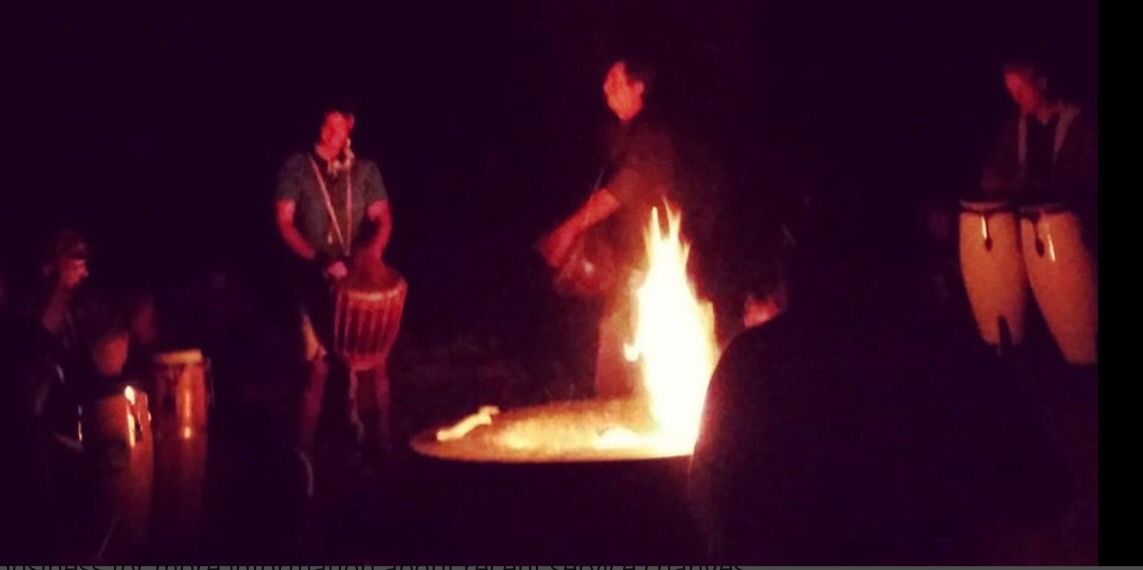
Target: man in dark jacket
1048, 152
831, 436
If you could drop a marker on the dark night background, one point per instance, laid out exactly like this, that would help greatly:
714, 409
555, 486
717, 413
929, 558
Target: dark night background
160, 130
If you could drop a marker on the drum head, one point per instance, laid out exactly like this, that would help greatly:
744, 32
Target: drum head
1044, 208
188, 356
985, 206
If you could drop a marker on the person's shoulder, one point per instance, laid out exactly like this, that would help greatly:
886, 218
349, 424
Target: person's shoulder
762, 339
1081, 117
295, 160
366, 163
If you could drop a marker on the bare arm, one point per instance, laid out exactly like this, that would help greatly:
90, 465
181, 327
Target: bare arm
599, 206
557, 244
379, 213
54, 317
285, 210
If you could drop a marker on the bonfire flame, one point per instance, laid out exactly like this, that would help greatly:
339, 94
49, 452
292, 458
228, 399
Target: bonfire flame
674, 338
675, 347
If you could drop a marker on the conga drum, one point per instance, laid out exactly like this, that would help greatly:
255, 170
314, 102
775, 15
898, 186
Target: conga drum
367, 317
993, 271
116, 433
179, 384
1062, 274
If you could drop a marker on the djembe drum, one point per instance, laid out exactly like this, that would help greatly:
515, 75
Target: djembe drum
993, 271
116, 432
182, 399
367, 317
1063, 278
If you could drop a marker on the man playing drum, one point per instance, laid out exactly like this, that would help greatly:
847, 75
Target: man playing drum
639, 174
327, 198
1046, 163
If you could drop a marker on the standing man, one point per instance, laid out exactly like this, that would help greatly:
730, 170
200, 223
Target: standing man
638, 175
1048, 152
328, 200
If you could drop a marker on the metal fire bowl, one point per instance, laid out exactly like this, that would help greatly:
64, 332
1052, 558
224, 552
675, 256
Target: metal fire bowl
558, 501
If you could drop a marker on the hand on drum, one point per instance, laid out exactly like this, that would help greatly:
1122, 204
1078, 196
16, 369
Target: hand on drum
337, 270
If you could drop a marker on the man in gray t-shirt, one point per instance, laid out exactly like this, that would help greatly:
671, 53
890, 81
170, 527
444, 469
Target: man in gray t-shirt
327, 202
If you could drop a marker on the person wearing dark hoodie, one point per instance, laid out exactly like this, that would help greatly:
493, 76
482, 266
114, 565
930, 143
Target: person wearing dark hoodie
1047, 152
831, 435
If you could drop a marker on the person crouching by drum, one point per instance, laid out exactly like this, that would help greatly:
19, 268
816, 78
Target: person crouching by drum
324, 198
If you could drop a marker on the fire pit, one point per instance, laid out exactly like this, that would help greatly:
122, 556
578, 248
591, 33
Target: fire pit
591, 480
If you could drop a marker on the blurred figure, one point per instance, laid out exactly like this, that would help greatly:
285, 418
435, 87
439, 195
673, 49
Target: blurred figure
829, 436
51, 369
64, 270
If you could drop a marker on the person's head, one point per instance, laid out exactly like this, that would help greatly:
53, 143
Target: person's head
767, 294
109, 352
142, 318
336, 126
65, 258
1027, 84
626, 85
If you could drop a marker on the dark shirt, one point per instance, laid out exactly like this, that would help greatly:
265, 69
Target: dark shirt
640, 173
1069, 174
1041, 150
820, 446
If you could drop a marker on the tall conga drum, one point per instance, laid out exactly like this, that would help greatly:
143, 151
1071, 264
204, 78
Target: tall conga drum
181, 396
993, 271
367, 317
118, 444
1063, 278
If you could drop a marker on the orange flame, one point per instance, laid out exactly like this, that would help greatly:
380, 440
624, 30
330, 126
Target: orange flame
129, 393
674, 341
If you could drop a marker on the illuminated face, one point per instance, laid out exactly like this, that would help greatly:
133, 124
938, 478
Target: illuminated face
624, 95
335, 130
1026, 90
72, 272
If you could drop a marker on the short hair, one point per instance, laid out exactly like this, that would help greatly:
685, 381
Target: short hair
342, 105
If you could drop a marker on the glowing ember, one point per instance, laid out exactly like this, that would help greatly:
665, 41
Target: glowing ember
674, 338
